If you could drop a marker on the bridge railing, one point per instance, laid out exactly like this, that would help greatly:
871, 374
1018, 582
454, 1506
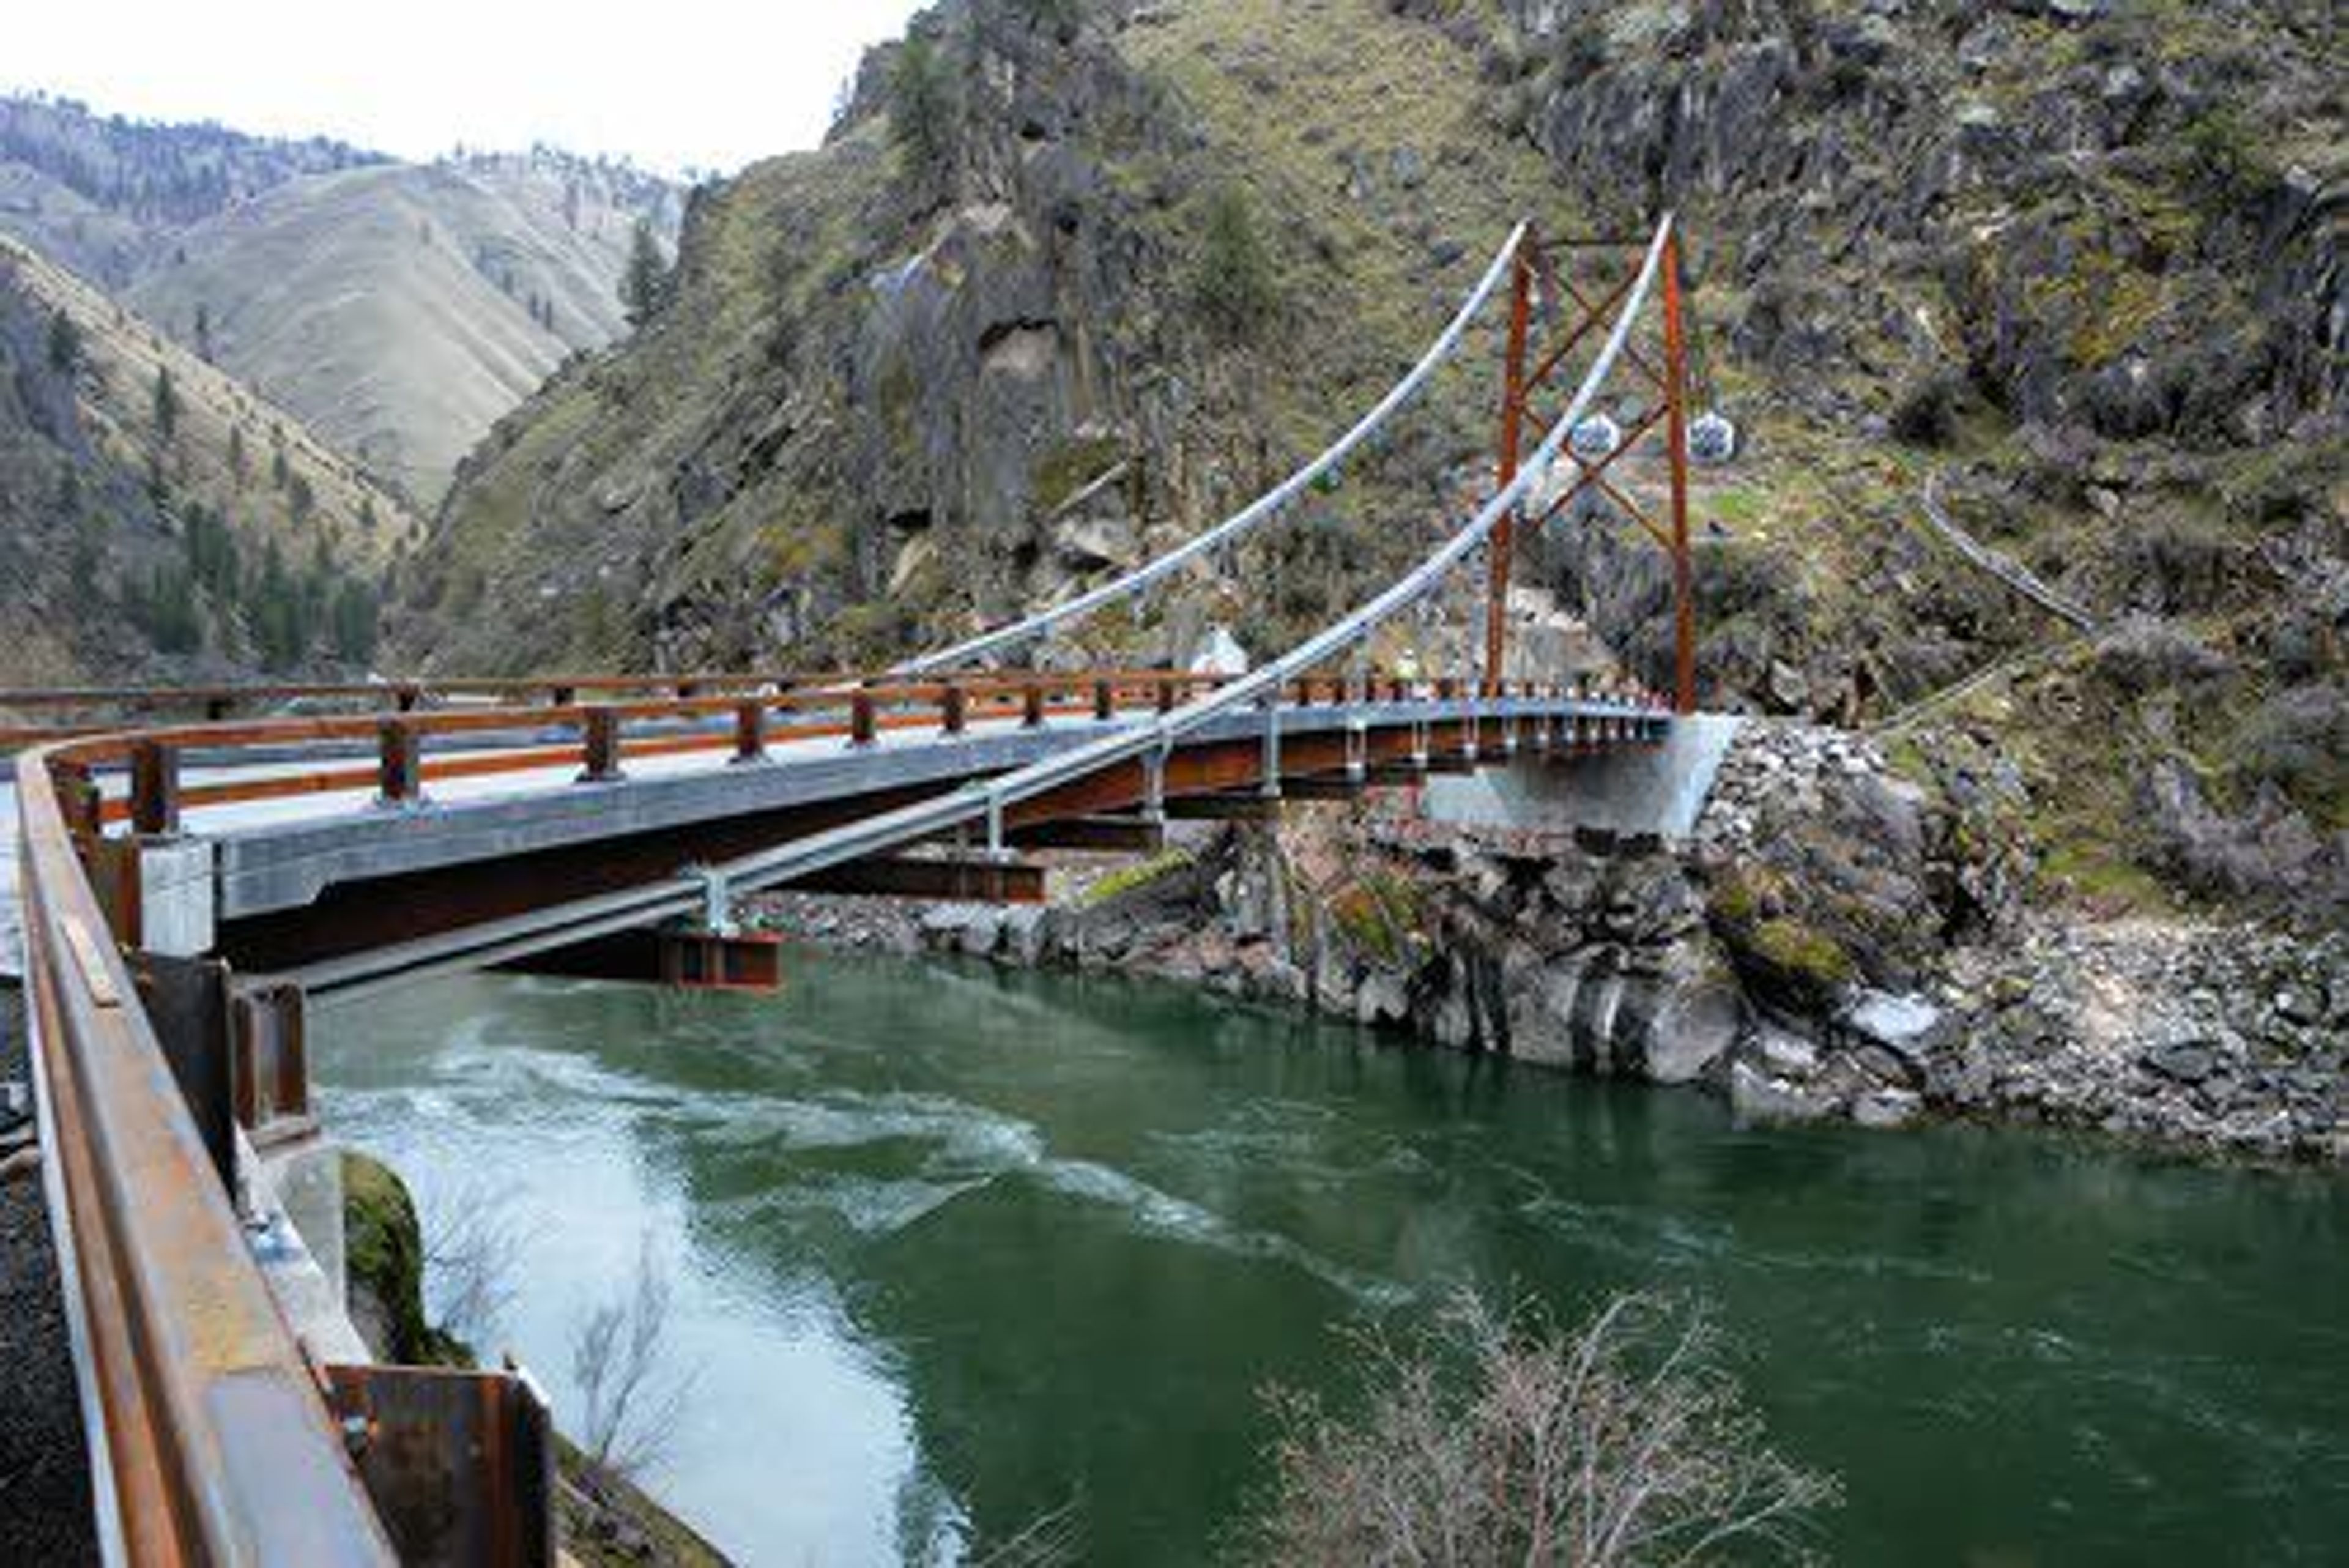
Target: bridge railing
208, 1437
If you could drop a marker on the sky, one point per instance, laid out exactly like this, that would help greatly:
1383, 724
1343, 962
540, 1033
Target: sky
708, 84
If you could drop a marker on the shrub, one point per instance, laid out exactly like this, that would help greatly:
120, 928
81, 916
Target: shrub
1927, 413
1500, 1440
925, 108
1236, 290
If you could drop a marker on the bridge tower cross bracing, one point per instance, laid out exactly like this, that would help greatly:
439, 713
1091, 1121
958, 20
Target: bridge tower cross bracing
1537, 278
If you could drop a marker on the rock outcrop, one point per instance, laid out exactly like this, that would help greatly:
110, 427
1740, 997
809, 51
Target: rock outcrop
1837, 941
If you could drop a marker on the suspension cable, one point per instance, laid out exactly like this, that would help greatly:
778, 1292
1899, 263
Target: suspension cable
1263, 507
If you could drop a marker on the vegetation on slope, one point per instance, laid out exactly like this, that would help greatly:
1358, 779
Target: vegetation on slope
161, 520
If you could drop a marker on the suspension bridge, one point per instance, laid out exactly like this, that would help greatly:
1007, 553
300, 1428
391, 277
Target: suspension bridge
196, 867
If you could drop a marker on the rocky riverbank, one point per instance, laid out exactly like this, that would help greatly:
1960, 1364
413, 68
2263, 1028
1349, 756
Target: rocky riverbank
1841, 939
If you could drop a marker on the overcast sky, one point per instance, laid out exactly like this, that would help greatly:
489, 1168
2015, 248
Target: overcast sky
670, 83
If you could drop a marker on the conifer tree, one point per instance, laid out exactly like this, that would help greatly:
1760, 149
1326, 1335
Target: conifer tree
644, 284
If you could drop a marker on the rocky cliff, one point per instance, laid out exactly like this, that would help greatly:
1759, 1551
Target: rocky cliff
1077, 276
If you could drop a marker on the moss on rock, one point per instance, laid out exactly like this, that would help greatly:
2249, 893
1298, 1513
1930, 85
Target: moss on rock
383, 1261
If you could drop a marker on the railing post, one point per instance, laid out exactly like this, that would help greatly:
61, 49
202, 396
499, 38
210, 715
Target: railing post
406, 696
955, 710
863, 724
600, 745
1031, 714
154, 789
1105, 700
218, 708
1167, 699
562, 696
1269, 787
79, 800
750, 730
399, 765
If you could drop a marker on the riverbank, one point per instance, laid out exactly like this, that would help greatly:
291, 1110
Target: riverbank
1837, 940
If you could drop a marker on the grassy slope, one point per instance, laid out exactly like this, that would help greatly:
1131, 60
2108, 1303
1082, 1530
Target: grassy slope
123, 356
360, 299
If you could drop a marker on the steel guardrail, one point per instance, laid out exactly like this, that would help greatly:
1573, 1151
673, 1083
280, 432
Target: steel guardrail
208, 1436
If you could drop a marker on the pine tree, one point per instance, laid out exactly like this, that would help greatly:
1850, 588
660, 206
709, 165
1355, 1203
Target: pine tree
1235, 289
924, 113
167, 406
65, 344
644, 284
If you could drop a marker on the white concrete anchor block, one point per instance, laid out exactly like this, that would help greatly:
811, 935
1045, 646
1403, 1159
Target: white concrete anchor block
176, 896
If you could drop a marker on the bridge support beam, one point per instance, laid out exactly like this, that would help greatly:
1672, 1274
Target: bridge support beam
1676, 406
1223, 808
949, 878
1105, 835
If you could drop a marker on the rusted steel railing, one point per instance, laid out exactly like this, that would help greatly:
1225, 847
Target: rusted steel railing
210, 1439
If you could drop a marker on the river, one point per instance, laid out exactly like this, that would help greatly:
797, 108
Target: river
953, 1248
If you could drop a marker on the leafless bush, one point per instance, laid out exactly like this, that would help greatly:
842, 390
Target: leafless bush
632, 1396
472, 1254
1498, 1438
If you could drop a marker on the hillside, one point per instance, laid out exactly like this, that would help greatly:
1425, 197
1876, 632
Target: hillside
398, 308
158, 519
401, 308
2037, 255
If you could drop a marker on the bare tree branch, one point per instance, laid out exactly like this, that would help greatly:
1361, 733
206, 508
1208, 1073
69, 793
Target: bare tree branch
632, 1397
1498, 1440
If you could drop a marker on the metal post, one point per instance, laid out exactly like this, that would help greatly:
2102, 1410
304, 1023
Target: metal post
1676, 404
601, 746
154, 790
1031, 697
1105, 700
399, 764
863, 725
1513, 414
1153, 785
1269, 787
749, 730
955, 710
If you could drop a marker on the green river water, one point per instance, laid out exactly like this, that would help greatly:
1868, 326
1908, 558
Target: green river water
953, 1248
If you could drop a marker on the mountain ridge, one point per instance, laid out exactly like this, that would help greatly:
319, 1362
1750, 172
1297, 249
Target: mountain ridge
308, 268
